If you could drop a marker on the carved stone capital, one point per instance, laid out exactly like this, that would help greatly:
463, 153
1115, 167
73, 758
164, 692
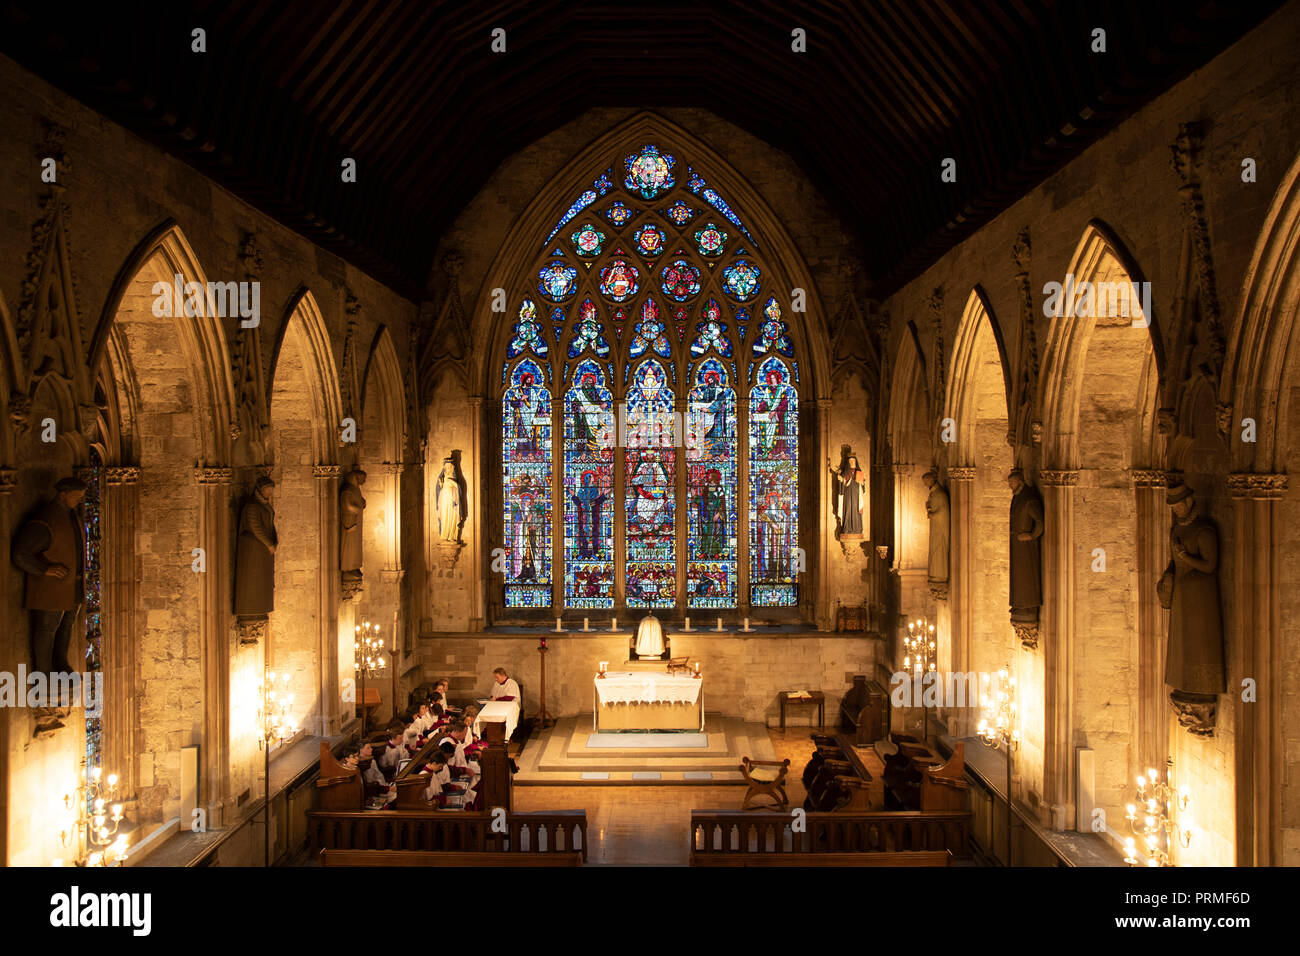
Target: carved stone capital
449, 554
326, 471
961, 473
939, 590
1257, 486
1150, 478
1198, 713
1056, 477
212, 476
390, 468
351, 586
824, 403
126, 475
8, 480
251, 630
1028, 634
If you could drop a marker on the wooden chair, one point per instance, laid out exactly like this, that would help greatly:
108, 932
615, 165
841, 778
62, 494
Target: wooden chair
765, 778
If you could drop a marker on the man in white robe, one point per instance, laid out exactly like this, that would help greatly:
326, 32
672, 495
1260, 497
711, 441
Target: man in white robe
507, 688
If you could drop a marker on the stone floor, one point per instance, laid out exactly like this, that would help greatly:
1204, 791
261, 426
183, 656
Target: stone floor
649, 826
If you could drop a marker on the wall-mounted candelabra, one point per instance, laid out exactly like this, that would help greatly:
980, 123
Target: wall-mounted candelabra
370, 660
1158, 819
97, 815
919, 661
1003, 734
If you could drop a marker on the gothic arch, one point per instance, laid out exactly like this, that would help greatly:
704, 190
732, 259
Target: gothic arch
384, 369
304, 323
1099, 257
166, 253
518, 250
970, 351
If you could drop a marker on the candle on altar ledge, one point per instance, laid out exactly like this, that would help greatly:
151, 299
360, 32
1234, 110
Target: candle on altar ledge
719, 624
613, 624
584, 624
688, 625
557, 625
747, 624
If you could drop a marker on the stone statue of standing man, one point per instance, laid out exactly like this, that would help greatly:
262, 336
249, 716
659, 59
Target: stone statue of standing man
1189, 588
255, 561
854, 503
352, 506
1026, 557
937, 507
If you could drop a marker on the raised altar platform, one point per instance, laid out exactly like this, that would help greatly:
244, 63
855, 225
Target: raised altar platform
561, 756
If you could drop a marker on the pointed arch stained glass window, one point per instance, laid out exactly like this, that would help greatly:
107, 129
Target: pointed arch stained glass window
711, 488
526, 491
589, 489
773, 486
649, 467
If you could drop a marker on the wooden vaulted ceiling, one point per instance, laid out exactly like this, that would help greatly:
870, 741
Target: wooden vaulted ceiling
412, 91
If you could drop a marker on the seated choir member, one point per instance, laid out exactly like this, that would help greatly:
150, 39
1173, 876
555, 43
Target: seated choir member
467, 718
393, 753
439, 776
440, 696
376, 784
507, 688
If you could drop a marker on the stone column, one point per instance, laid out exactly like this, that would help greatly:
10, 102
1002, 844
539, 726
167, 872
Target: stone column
825, 523
334, 648
1259, 759
1056, 626
118, 511
477, 521
961, 585
1153, 621
216, 610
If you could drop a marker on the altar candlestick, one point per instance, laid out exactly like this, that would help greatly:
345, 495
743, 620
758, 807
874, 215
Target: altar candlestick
747, 624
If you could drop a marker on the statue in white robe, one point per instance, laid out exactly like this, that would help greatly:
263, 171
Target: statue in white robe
447, 499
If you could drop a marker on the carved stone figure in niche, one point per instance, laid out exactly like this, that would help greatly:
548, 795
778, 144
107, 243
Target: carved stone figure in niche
48, 550
352, 506
448, 501
1189, 588
853, 510
255, 560
1026, 557
937, 508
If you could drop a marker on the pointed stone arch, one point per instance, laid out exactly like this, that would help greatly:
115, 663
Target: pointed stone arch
304, 325
977, 330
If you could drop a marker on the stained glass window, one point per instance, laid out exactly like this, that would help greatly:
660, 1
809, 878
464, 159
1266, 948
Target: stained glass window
651, 568
528, 333
654, 292
526, 481
589, 489
773, 486
711, 488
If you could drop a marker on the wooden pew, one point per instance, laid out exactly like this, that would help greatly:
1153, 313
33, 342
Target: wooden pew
386, 858
945, 787
908, 859
339, 787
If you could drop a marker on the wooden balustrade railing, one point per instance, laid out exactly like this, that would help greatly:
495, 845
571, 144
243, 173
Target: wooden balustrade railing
448, 830
728, 831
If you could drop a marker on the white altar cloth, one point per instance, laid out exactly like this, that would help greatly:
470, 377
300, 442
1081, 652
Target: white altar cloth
504, 710
633, 687
649, 637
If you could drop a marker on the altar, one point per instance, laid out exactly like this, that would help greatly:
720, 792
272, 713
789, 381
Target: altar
647, 700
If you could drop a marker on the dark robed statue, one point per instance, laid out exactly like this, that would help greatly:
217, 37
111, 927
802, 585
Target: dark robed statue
853, 504
352, 507
937, 508
255, 554
1189, 588
1026, 557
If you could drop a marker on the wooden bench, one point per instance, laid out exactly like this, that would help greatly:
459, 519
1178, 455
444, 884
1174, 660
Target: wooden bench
910, 859
422, 858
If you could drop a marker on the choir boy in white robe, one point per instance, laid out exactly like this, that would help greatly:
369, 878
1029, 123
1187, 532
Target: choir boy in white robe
507, 688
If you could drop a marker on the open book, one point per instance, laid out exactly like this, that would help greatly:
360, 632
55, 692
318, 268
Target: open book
799, 695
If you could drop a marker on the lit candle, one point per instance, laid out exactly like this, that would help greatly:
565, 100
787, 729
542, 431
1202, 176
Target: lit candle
697, 667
